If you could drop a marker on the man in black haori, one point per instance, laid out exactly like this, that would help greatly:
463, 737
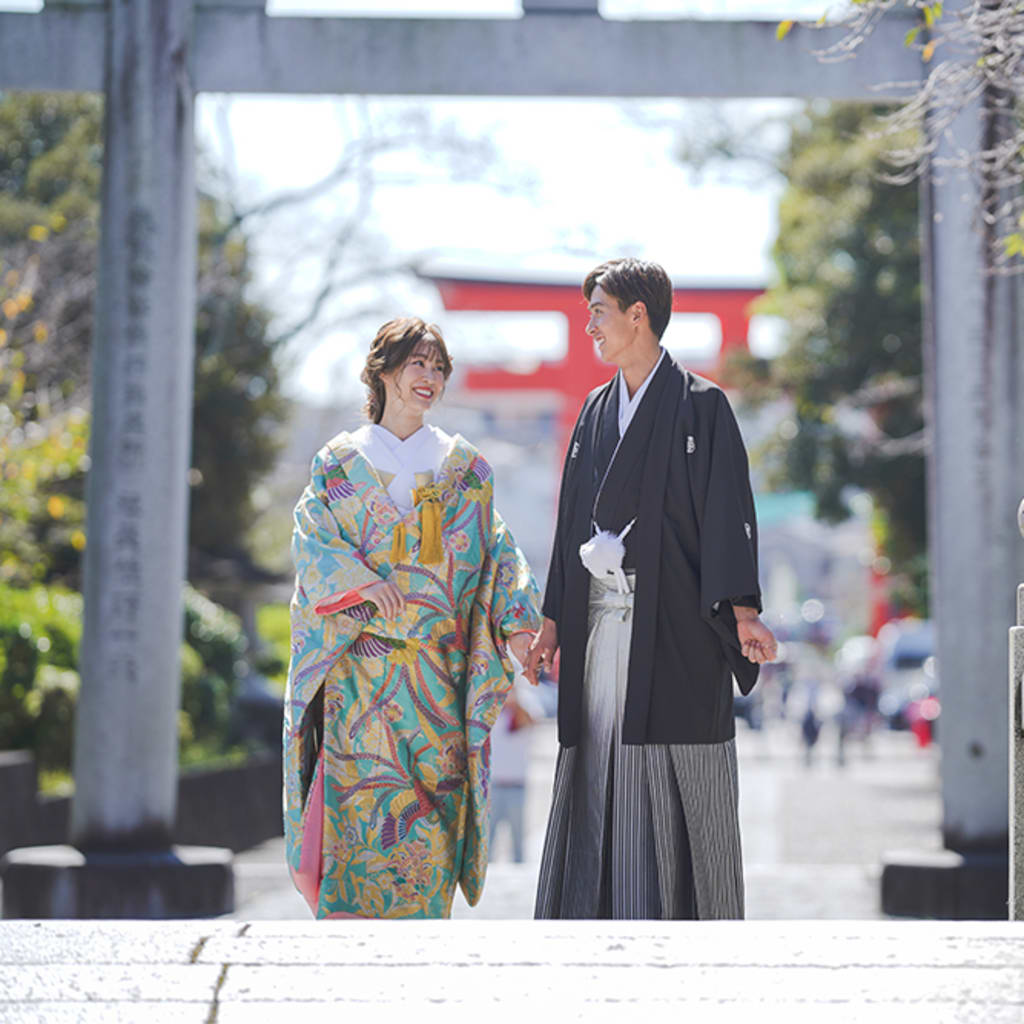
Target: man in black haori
653, 599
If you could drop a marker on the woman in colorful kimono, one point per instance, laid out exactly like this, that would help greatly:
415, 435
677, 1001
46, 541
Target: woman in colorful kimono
410, 592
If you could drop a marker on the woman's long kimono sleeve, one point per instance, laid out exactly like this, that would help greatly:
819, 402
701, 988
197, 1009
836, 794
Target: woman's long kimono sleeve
514, 604
507, 602
327, 563
327, 566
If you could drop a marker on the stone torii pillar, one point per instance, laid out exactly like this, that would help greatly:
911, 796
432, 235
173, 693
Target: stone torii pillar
974, 377
122, 862
1016, 741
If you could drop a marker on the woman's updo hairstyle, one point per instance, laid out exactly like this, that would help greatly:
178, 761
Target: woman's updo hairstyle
394, 344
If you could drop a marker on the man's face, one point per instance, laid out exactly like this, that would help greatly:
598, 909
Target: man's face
613, 330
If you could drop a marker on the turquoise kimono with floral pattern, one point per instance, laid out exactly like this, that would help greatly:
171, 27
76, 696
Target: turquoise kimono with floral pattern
387, 722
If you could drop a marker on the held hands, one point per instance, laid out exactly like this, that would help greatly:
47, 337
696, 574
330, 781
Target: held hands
390, 601
757, 642
542, 651
519, 645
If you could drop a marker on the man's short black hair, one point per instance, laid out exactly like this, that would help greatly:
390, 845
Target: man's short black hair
630, 280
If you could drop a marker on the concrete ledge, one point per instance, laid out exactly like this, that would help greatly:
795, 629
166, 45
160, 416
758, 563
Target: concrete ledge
61, 882
800, 972
945, 884
236, 807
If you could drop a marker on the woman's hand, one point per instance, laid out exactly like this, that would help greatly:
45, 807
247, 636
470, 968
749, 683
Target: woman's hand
542, 650
519, 645
390, 601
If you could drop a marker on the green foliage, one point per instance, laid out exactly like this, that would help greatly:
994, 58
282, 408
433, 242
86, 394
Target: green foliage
40, 635
237, 404
40, 630
50, 160
273, 623
51, 157
216, 636
849, 289
50, 169
51, 704
42, 500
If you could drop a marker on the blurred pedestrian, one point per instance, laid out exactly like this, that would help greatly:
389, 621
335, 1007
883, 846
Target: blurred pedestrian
410, 593
859, 712
652, 599
810, 730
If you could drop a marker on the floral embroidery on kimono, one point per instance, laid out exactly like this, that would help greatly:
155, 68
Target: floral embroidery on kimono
392, 717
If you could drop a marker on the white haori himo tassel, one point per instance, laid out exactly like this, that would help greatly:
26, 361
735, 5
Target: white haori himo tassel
602, 556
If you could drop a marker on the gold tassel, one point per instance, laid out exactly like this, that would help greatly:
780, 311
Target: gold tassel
430, 525
398, 544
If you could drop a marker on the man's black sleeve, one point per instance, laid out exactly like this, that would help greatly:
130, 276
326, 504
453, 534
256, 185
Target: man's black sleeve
555, 587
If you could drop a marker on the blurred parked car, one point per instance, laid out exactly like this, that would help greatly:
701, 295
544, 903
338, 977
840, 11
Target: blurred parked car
910, 685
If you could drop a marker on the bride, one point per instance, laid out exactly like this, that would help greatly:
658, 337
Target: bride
410, 593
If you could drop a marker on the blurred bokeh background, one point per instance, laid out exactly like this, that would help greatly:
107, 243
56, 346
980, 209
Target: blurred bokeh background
797, 269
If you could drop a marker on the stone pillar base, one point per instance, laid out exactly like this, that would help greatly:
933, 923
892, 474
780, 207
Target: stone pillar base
945, 885
62, 882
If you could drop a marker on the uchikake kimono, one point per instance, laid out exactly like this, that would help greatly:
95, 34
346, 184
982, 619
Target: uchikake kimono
387, 722
644, 819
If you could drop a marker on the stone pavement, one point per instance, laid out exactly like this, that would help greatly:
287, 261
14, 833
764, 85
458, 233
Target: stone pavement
226, 972
813, 837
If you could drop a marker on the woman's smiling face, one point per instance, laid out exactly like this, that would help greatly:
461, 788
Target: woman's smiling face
419, 382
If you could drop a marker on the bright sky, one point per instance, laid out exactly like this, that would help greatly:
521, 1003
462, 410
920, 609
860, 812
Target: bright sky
603, 182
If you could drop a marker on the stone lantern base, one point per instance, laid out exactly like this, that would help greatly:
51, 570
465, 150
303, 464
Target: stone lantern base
63, 882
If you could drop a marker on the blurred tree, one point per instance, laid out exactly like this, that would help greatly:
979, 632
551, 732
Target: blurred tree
50, 169
50, 166
332, 267
971, 60
238, 408
847, 255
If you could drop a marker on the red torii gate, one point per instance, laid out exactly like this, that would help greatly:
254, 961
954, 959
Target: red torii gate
580, 371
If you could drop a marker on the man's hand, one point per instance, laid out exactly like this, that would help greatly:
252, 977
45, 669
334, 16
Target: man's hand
542, 651
757, 642
390, 601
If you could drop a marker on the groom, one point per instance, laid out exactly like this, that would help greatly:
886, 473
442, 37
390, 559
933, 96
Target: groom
655, 487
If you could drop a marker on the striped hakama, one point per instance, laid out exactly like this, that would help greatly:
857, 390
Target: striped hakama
637, 831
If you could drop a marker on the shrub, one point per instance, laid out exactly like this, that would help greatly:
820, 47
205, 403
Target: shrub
40, 630
274, 624
52, 706
216, 634
40, 635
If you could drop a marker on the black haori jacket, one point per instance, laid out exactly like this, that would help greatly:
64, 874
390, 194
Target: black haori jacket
681, 470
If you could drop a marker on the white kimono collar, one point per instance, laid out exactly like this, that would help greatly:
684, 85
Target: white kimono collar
628, 406
398, 461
